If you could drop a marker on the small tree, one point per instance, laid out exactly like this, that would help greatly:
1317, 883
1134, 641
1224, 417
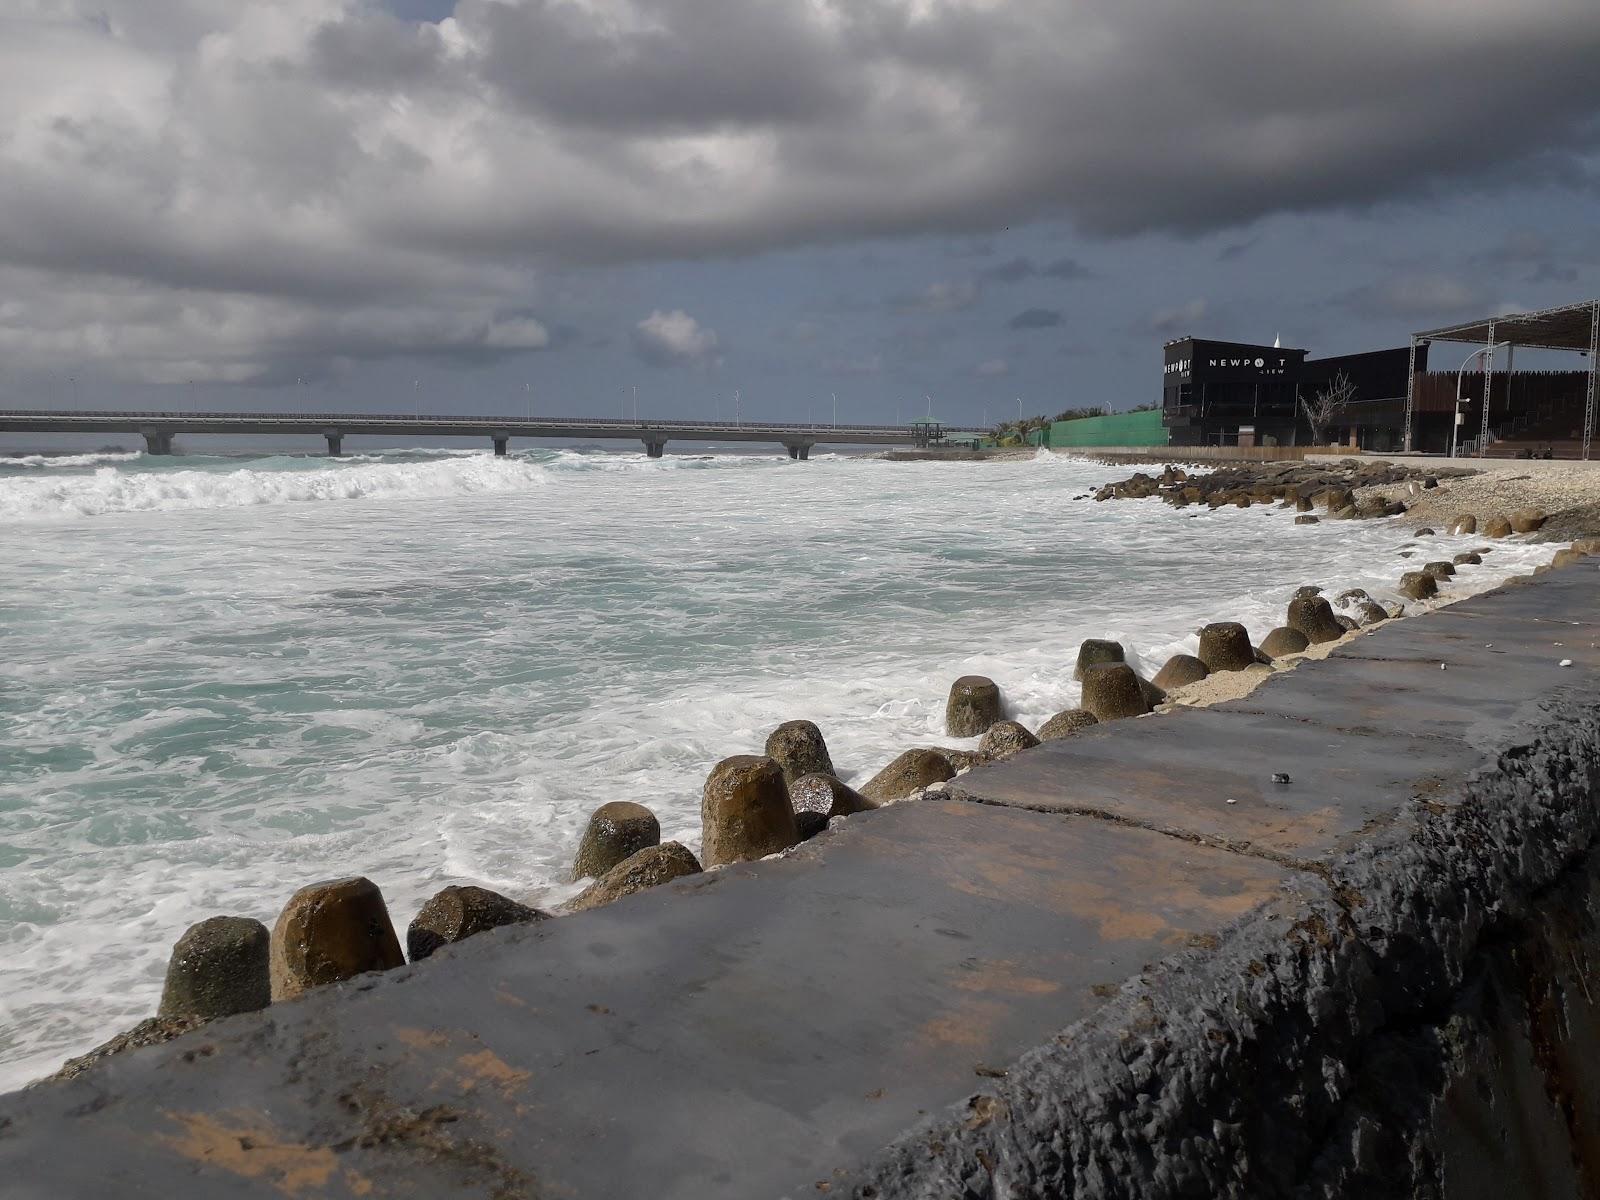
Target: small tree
1012, 432
1327, 404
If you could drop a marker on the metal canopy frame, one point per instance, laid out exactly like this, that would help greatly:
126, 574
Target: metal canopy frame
1574, 327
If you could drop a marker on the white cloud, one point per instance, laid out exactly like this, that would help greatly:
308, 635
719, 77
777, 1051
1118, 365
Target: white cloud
994, 367
522, 333
672, 338
1180, 319
941, 297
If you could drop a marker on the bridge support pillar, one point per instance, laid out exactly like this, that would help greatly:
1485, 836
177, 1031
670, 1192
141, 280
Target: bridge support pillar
157, 441
335, 443
799, 451
655, 449
501, 443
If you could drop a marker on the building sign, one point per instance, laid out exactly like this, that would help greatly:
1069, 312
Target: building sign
1275, 365
1181, 367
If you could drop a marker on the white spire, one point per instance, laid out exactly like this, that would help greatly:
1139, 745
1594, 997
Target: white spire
1277, 341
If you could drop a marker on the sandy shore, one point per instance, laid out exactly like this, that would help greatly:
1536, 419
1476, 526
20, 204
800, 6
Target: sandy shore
1569, 493
1222, 686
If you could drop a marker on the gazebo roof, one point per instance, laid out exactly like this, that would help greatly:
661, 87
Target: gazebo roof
1570, 327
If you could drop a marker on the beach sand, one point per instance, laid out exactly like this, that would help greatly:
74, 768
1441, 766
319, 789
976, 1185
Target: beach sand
1568, 492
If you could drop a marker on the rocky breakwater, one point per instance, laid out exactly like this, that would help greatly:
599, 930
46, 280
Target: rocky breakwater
1336, 489
1547, 501
1464, 500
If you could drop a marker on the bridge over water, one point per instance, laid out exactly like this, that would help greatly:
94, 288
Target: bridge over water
159, 428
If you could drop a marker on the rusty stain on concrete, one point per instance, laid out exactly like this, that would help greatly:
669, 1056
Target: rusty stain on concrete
421, 1039
1005, 978
486, 1066
238, 1144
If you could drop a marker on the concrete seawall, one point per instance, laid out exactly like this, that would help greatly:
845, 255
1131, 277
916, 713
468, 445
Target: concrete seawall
1194, 454
1126, 964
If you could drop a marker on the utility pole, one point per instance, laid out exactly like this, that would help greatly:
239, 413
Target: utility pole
636, 404
737, 419
835, 396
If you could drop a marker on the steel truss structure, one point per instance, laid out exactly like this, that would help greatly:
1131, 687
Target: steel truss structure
1574, 327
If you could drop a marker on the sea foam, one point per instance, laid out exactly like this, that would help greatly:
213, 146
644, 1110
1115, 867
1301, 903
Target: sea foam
223, 680
109, 490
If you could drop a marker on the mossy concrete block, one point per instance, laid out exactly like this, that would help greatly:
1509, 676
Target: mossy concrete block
745, 811
330, 932
456, 913
798, 747
615, 831
973, 706
1225, 646
1112, 691
219, 967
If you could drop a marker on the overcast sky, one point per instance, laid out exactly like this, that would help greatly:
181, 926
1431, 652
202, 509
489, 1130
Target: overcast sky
487, 204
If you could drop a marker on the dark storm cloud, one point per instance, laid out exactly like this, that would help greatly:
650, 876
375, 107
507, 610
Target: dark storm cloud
376, 50
1551, 273
1180, 320
1537, 258
1416, 295
1016, 270
1035, 318
1012, 271
695, 64
1067, 268
423, 171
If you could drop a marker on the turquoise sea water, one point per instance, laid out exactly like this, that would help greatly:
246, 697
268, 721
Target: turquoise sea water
223, 678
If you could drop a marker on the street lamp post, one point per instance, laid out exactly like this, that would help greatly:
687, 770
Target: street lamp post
1455, 424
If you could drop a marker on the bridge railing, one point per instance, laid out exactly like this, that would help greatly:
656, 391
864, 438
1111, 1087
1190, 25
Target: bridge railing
486, 419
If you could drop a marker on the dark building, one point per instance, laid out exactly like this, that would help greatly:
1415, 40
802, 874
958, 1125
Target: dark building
1225, 393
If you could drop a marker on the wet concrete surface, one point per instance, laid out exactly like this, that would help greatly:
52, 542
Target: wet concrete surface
1211, 774
776, 1029
737, 1033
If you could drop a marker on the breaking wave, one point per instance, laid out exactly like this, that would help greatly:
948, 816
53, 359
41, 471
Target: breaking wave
108, 490
58, 462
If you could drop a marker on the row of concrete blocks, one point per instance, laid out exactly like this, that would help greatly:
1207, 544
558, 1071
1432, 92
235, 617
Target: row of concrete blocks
752, 806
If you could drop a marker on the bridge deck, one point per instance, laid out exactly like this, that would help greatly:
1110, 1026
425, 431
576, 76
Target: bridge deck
482, 425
